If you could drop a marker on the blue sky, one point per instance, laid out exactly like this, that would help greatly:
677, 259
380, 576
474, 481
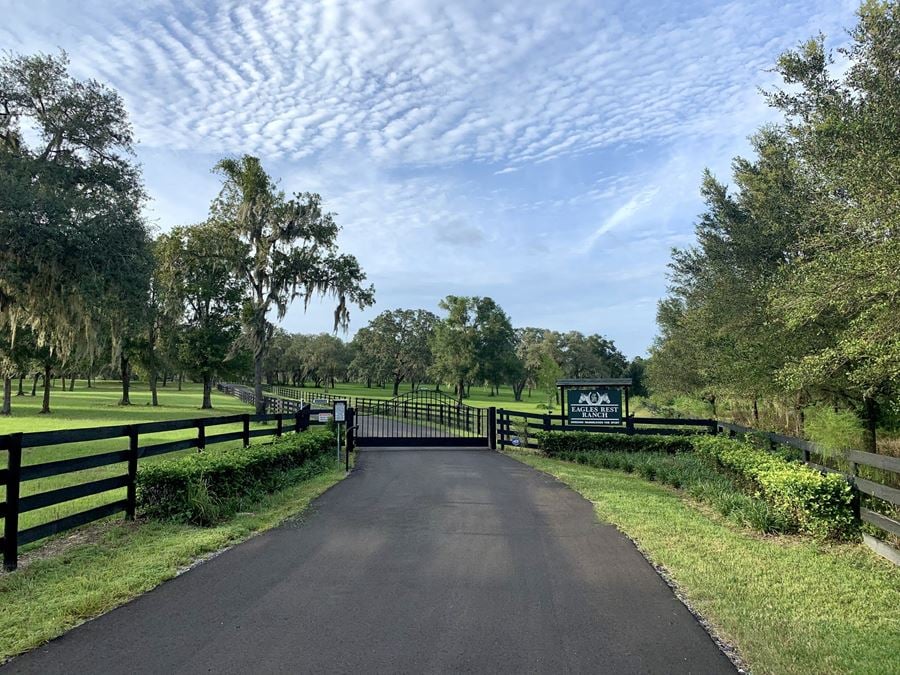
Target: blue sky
547, 154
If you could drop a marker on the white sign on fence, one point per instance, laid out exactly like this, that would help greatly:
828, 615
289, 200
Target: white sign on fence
324, 417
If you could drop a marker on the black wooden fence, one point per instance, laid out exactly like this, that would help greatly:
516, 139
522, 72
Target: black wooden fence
273, 404
16, 448
313, 398
518, 428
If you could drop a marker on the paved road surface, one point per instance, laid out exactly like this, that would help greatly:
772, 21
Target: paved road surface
419, 562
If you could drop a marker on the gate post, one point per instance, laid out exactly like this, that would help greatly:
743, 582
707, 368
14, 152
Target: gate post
350, 437
492, 428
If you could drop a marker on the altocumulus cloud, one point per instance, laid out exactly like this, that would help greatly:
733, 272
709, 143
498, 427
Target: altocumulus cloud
485, 146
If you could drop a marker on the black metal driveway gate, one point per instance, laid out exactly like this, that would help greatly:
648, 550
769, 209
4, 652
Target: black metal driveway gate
421, 418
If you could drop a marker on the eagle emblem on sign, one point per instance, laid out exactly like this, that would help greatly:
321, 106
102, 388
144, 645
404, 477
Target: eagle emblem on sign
594, 398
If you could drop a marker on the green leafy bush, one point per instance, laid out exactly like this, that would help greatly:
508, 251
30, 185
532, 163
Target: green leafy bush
555, 443
210, 486
814, 503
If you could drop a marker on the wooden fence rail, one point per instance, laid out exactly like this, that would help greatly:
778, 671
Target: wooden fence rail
305, 396
16, 445
511, 424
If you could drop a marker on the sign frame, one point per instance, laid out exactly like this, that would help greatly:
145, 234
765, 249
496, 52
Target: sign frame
622, 384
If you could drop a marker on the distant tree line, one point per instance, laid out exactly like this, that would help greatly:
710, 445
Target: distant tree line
791, 294
474, 343
85, 287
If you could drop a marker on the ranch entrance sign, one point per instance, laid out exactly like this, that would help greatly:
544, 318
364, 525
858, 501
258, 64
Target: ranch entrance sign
594, 402
594, 406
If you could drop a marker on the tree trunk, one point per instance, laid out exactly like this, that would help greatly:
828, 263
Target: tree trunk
756, 411
154, 397
7, 396
461, 390
257, 381
207, 392
72, 383
34, 384
21, 391
45, 406
871, 424
165, 377
396, 386
90, 383
517, 391
125, 369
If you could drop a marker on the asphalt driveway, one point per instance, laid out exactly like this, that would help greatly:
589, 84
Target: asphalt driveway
421, 561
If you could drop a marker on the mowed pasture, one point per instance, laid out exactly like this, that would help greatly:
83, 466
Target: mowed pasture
99, 406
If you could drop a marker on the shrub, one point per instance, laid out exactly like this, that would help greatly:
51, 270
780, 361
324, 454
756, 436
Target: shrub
834, 431
556, 443
811, 502
209, 486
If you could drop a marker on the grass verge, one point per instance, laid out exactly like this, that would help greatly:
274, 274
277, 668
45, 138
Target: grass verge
123, 560
789, 604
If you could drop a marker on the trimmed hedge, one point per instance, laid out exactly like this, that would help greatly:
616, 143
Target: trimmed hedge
556, 443
797, 497
206, 487
816, 503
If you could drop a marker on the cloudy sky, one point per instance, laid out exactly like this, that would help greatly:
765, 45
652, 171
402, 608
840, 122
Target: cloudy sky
546, 154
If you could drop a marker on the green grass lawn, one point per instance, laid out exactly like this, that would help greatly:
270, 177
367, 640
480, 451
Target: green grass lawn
99, 406
789, 604
51, 595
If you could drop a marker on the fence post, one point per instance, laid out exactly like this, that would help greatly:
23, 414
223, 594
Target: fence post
492, 428
131, 490
854, 472
201, 435
246, 422
629, 425
304, 418
279, 421
546, 422
11, 519
503, 417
